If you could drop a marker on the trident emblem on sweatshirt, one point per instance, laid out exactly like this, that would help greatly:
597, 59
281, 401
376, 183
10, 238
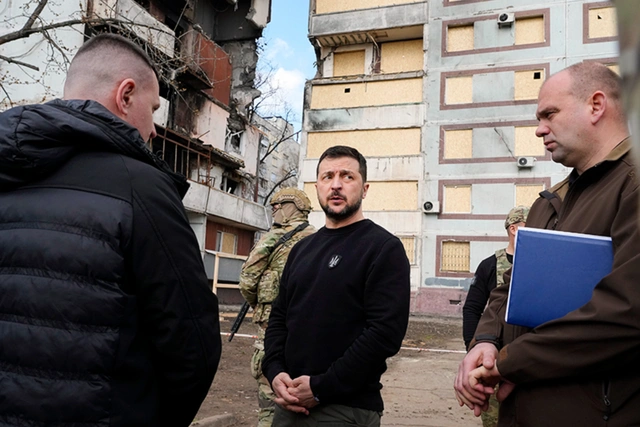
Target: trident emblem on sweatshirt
334, 261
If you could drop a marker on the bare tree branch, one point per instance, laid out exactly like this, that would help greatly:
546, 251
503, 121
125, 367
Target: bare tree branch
35, 14
289, 174
24, 33
6, 94
15, 61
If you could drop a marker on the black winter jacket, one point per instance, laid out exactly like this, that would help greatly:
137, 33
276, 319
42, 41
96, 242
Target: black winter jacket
106, 316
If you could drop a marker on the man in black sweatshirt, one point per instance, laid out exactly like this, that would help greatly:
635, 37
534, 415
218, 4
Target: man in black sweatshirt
342, 310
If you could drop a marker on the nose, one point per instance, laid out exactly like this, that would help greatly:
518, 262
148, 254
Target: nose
153, 133
542, 130
336, 182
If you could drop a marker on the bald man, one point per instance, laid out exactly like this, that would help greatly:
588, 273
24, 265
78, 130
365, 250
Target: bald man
580, 369
106, 315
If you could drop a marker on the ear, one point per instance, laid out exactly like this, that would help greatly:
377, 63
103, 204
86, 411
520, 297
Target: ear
366, 188
598, 105
124, 95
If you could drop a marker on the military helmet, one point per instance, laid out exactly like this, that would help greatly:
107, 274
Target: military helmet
516, 215
292, 195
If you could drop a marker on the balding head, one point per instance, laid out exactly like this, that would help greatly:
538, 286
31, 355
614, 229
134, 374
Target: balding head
589, 77
115, 72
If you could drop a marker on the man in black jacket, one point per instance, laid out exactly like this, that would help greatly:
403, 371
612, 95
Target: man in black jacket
342, 309
106, 314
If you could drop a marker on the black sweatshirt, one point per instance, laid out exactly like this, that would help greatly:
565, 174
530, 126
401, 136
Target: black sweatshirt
342, 310
484, 281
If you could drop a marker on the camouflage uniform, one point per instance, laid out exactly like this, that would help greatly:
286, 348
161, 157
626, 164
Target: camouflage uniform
516, 215
260, 281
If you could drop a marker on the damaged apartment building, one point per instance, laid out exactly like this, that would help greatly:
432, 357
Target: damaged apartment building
206, 53
440, 96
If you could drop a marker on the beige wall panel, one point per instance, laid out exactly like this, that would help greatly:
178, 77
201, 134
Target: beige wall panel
526, 86
389, 92
459, 90
409, 244
371, 143
602, 22
310, 189
391, 196
329, 6
615, 68
382, 196
456, 256
530, 30
527, 194
397, 57
527, 143
460, 38
457, 199
348, 63
458, 144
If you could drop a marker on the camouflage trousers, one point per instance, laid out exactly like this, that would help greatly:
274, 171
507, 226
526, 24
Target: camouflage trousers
266, 396
490, 418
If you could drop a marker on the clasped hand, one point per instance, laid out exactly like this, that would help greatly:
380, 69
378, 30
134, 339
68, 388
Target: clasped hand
294, 394
477, 378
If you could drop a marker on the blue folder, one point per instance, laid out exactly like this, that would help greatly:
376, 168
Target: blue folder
554, 273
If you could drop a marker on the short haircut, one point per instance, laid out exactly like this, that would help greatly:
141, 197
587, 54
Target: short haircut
589, 77
108, 57
338, 151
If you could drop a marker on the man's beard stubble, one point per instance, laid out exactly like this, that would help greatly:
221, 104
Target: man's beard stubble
346, 212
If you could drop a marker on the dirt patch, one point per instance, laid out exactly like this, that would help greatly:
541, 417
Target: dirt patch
418, 387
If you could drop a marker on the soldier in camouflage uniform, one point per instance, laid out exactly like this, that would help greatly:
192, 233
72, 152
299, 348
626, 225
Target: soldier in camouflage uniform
260, 278
489, 275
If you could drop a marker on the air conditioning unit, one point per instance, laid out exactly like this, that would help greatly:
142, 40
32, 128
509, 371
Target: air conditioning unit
526, 162
506, 19
431, 207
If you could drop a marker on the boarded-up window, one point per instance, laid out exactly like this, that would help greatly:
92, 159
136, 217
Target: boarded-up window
602, 22
226, 242
527, 194
460, 38
391, 196
409, 244
457, 199
527, 84
529, 30
459, 90
371, 143
455, 257
527, 143
458, 144
397, 57
348, 63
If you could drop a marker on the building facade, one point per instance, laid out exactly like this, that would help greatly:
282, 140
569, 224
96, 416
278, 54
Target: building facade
440, 96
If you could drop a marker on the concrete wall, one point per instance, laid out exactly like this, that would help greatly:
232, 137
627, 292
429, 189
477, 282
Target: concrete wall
211, 125
350, 21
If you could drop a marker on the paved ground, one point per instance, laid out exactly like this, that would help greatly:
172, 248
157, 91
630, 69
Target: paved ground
418, 386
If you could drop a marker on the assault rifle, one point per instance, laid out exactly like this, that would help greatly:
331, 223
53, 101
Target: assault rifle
239, 320
245, 306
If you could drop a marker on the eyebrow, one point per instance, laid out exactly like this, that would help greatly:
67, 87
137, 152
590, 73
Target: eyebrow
341, 171
545, 112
